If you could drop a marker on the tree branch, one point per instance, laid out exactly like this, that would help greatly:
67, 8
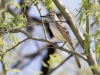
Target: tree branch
79, 36
43, 40
41, 20
84, 34
3, 16
16, 45
51, 71
51, 43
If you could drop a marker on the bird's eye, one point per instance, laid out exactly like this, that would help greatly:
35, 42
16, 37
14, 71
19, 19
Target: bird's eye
49, 15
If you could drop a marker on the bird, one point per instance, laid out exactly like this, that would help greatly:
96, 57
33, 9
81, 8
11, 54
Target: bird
60, 32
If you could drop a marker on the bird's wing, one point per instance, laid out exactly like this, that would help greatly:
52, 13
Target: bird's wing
64, 32
67, 36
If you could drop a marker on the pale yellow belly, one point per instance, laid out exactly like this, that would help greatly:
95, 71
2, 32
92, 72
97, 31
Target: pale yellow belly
57, 33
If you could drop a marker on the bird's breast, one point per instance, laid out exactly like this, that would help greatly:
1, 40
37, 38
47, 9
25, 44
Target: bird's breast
56, 32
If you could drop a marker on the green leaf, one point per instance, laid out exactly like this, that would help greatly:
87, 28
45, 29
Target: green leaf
44, 64
40, 72
1, 41
14, 3
97, 47
49, 4
33, 1
2, 10
96, 33
87, 43
54, 60
0, 58
97, 19
14, 70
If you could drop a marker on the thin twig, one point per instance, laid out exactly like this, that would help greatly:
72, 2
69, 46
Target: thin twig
44, 40
3, 7
53, 40
3, 65
68, 17
3, 16
41, 20
51, 71
16, 45
84, 34
56, 46
87, 24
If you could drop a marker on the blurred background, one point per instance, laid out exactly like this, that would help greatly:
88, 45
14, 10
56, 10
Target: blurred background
25, 59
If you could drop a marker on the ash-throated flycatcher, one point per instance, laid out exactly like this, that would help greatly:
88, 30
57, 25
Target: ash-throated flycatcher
60, 32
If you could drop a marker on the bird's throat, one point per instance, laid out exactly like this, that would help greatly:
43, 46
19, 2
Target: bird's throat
56, 31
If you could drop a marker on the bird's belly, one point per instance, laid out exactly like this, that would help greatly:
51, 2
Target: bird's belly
57, 33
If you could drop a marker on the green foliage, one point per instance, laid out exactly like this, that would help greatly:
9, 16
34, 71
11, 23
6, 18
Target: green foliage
97, 18
29, 3
45, 65
87, 43
97, 14
96, 36
0, 58
81, 19
49, 4
97, 47
14, 71
19, 21
87, 5
90, 8
85, 12
1, 11
37, 73
13, 38
1, 41
54, 60
34, 1
14, 3
14, 22
8, 24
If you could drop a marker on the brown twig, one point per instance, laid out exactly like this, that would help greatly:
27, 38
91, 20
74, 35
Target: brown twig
84, 34
53, 40
3, 65
43, 40
3, 7
3, 16
68, 17
41, 20
56, 46
51, 71
16, 45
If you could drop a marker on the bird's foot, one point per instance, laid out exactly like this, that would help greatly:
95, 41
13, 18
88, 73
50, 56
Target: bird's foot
56, 43
63, 45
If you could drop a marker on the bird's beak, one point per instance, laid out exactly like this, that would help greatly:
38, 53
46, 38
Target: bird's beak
43, 16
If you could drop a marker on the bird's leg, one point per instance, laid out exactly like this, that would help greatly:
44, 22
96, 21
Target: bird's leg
60, 42
63, 45
56, 43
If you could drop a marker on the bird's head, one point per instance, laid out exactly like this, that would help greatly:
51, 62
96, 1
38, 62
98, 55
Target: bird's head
51, 16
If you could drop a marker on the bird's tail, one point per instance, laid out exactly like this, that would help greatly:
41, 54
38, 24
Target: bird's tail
76, 57
77, 60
